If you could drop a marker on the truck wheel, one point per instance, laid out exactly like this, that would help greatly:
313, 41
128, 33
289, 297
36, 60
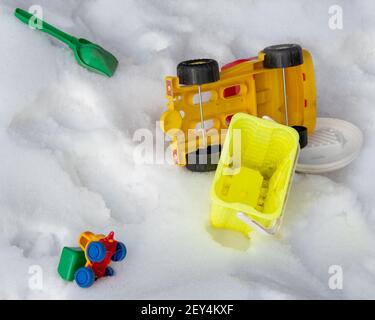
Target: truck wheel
302, 132
109, 272
84, 277
203, 160
283, 56
120, 253
96, 251
198, 71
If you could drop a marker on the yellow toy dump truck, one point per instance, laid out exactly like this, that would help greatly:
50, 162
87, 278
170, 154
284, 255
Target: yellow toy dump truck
278, 83
254, 175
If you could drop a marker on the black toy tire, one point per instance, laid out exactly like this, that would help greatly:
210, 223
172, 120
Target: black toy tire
283, 56
203, 160
303, 137
198, 71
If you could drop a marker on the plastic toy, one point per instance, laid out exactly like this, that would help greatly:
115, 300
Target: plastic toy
278, 83
334, 144
87, 54
92, 259
250, 192
71, 260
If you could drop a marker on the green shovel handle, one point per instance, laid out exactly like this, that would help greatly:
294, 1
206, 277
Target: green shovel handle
25, 17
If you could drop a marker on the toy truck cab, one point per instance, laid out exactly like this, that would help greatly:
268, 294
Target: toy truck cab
278, 83
99, 250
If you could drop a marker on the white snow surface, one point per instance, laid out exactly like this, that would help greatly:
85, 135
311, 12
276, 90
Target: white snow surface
66, 146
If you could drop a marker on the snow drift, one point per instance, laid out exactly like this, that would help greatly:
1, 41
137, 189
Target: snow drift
66, 145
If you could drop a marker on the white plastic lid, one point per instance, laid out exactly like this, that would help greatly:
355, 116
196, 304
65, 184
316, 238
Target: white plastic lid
333, 145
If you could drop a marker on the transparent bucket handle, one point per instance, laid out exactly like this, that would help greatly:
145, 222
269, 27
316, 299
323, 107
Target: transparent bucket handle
256, 225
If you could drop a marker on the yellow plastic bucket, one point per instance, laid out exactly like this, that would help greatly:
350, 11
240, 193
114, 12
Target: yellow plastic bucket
254, 174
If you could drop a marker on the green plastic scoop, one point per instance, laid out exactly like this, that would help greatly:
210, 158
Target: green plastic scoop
87, 54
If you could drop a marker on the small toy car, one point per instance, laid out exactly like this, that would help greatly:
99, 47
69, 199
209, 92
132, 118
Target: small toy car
92, 259
249, 192
278, 83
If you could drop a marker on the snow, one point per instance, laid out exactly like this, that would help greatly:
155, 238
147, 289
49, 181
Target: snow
66, 146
